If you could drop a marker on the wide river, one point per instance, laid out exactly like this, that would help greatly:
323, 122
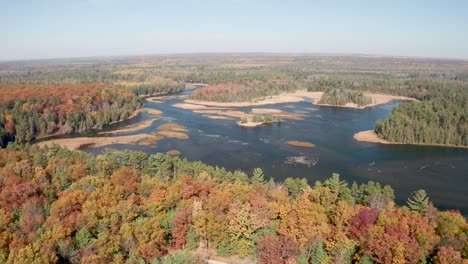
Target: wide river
441, 171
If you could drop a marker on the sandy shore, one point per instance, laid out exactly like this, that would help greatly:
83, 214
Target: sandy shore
76, 143
371, 137
155, 114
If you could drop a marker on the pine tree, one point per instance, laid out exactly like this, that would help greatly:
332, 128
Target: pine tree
419, 202
319, 254
257, 177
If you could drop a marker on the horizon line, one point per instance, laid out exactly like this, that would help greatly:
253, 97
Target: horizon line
331, 54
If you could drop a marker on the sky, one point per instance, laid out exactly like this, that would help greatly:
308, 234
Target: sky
38, 29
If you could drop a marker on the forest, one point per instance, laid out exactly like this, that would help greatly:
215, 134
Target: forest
62, 206
29, 111
338, 96
38, 109
243, 92
440, 118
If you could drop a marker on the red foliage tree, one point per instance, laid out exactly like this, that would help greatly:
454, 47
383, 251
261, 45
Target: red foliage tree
395, 245
181, 227
448, 255
361, 221
277, 251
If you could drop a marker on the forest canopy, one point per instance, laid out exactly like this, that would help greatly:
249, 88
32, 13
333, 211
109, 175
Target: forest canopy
58, 205
29, 111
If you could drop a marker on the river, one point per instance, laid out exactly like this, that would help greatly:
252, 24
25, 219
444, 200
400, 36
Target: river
441, 171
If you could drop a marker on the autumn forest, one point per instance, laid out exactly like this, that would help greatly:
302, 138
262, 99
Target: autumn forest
69, 206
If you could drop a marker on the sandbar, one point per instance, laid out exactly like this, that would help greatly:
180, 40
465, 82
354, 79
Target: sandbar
293, 97
300, 144
250, 124
76, 143
220, 117
172, 127
173, 152
173, 134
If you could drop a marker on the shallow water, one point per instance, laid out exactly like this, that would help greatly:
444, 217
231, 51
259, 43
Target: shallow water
442, 172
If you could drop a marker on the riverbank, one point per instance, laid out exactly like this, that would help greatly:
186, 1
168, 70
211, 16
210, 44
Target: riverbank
62, 130
294, 97
154, 114
377, 99
370, 136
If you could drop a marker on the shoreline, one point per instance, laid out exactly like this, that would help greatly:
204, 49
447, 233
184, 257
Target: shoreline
61, 133
369, 136
378, 99
293, 97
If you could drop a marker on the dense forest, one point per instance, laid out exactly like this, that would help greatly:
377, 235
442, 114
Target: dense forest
341, 97
28, 111
440, 118
241, 92
67, 206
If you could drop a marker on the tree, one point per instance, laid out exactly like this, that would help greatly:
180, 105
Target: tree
181, 227
277, 251
295, 186
361, 221
446, 255
257, 177
419, 202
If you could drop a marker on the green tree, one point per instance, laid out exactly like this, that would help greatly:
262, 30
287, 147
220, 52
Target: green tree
419, 201
295, 186
257, 177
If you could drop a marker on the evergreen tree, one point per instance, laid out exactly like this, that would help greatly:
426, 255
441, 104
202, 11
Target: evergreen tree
419, 201
257, 177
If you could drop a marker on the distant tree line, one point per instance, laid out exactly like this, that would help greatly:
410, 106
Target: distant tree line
247, 77
154, 88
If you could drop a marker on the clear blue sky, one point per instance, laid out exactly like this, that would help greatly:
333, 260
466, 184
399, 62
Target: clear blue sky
72, 28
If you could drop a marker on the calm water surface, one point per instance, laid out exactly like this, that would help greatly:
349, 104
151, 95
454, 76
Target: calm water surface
442, 172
